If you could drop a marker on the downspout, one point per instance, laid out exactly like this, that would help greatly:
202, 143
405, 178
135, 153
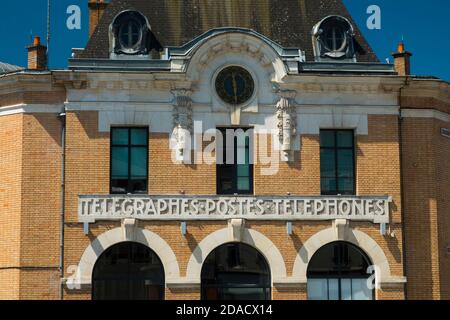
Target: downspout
62, 118
402, 192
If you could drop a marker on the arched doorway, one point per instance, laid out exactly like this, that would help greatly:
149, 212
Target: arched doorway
338, 271
128, 271
235, 271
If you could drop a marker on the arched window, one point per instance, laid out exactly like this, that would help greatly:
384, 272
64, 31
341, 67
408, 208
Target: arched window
338, 271
235, 271
128, 271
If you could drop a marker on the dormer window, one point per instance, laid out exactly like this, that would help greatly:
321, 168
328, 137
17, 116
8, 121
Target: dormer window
333, 39
130, 34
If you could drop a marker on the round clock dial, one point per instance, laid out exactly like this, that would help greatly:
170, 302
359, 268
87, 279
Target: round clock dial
235, 85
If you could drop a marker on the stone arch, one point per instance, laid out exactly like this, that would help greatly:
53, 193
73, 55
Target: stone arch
246, 43
356, 237
250, 237
115, 236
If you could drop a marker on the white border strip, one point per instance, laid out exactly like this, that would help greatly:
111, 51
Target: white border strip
31, 108
425, 113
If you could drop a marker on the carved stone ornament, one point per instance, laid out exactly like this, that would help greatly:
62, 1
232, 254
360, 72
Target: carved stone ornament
129, 229
236, 229
182, 123
287, 123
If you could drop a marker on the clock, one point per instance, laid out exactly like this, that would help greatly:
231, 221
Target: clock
235, 85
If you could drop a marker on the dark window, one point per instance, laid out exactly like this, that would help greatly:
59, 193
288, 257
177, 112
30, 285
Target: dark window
235, 170
235, 271
128, 271
334, 37
338, 271
129, 160
337, 162
130, 33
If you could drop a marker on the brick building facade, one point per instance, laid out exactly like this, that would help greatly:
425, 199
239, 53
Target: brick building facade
74, 180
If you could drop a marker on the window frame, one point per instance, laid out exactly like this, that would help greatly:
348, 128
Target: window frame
263, 275
339, 273
336, 149
129, 147
132, 249
234, 189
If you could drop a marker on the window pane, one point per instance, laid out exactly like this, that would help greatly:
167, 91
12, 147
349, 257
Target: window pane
333, 289
328, 185
346, 289
243, 183
138, 186
345, 163
327, 138
346, 185
317, 289
139, 136
243, 171
119, 163
119, 136
119, 185
139, 162
361, 290
345, 139
327, 163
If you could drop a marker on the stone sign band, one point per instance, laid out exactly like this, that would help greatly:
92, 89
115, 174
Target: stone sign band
185, 208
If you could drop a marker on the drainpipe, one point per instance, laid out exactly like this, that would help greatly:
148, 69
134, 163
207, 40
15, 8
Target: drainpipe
62, 118
402, 201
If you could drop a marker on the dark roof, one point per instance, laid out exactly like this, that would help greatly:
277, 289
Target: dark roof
176, 22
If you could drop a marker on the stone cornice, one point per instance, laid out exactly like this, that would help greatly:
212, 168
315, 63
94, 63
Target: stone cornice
23, 82
428, 88
343, 84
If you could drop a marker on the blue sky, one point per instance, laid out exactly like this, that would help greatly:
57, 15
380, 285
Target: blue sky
424, 25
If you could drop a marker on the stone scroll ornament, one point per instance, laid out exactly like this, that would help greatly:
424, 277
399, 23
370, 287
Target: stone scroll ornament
183, 124
287, 123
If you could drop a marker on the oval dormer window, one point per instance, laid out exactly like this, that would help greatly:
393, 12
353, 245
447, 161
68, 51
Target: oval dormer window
333, 39
130, 34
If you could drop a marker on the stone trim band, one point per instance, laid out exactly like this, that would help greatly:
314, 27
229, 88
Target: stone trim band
187, 208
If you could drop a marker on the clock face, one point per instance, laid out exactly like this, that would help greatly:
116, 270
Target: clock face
235, 85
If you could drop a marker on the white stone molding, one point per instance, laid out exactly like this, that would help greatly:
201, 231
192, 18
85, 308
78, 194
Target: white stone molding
251, 237
31, 108
426, 114
182, 123
356, 237
243, 44
104, 241
287, 123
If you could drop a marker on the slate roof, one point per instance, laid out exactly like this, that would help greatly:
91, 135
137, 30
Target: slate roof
7, 68
176, 22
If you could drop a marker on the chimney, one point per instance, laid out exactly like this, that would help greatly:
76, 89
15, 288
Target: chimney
37, 55
96, 10
402, 61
